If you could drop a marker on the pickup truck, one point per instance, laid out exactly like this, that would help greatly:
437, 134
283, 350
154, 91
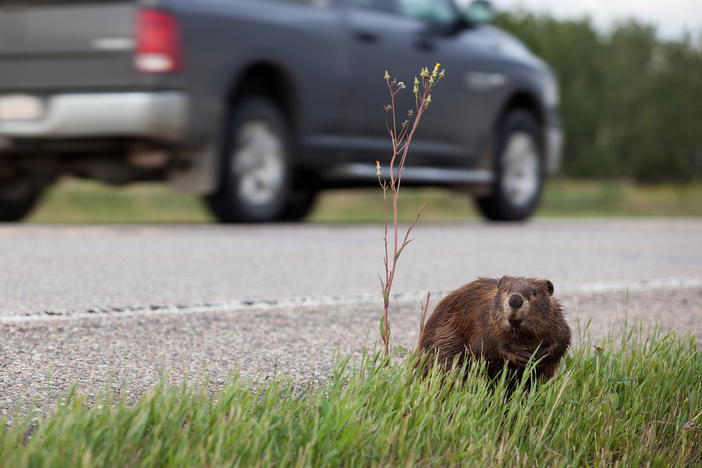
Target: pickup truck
257, 105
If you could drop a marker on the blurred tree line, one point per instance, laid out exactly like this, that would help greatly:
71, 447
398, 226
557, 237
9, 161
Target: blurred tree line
631, 103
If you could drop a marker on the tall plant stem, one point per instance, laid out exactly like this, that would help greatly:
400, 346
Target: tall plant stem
400, 147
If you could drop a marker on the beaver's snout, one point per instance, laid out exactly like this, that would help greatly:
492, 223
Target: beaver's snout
516, 301
518, 310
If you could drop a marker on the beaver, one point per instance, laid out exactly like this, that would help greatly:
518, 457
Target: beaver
506, 320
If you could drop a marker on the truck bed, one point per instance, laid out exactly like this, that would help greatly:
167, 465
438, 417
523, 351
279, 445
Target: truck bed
76, 44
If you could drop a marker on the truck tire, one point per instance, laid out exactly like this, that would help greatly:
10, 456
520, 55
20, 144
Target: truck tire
299, 205
519, 170
14, 207
255, 166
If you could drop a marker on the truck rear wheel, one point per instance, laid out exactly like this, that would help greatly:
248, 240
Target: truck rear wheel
17, 202
256, 167
299, 205
519, 170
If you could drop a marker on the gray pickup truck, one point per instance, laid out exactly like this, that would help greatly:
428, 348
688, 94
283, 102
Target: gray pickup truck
257, 105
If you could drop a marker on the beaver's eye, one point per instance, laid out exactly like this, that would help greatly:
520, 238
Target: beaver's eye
534, 292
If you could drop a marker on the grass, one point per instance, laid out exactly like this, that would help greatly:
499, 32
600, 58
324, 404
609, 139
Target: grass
633, 403
589, 198
73, 201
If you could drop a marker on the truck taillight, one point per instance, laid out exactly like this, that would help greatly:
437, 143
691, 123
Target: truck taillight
158, 42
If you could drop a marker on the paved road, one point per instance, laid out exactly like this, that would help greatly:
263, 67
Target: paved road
104, 307
80, 268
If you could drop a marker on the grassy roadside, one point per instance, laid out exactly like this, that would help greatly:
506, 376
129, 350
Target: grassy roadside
634, 403
74, 201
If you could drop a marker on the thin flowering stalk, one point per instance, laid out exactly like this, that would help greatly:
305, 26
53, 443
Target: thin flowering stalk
425, 306
400, 145
384, 186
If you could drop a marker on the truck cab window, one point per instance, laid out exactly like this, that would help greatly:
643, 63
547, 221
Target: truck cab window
312, 3
434, 11
380, 5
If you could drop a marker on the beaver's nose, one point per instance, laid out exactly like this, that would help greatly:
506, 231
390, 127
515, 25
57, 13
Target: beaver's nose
515, 301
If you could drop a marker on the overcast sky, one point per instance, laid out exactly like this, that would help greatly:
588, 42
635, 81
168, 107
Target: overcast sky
672, 17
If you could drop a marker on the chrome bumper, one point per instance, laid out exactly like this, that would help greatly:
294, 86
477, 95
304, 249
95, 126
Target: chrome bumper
157, 115
554, 149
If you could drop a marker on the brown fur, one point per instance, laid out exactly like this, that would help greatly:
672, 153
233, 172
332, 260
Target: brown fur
473, 322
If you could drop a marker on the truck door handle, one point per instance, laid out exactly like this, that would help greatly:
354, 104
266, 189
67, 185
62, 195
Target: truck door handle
367, 36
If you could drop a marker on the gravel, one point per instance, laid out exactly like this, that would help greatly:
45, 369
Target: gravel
40, 360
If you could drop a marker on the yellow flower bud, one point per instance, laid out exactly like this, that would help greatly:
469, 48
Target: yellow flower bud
377, 166
387, 75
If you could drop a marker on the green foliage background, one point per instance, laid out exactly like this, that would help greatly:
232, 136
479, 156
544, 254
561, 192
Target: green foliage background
631, 103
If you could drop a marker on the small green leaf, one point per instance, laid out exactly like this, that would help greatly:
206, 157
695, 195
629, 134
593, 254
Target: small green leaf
382, 329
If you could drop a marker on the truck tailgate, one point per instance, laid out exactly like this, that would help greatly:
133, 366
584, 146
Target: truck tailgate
55, 45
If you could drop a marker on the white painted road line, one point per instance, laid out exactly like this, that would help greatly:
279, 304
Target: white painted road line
333, 301
645, 285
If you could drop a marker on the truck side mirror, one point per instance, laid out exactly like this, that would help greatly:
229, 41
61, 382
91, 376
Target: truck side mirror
479, 12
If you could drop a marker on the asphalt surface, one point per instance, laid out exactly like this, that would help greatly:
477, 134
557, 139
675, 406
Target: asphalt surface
80, 268
104, 307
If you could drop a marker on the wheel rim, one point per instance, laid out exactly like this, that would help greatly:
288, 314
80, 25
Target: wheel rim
258, 165
521, 169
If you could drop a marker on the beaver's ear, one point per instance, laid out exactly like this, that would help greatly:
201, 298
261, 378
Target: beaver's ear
549, 287
500, 281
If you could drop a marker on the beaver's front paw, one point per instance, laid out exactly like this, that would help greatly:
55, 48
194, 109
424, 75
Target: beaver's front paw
520, 357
